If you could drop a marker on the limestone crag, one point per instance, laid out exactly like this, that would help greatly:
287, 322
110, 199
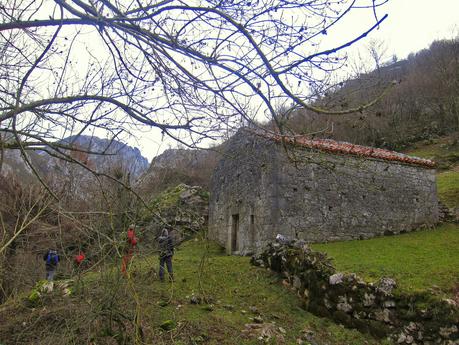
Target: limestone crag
13, 165
183, 207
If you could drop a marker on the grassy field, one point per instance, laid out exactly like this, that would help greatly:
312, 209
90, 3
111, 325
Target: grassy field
445, 151
233, 292
448, 188
230, 292
418, 260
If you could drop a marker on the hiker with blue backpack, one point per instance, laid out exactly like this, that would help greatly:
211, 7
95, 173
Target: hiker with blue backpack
51, 259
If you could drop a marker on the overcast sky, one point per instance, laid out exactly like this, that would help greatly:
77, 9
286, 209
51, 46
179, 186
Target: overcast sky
411, 26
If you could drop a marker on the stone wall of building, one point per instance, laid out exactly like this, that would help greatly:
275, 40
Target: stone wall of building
261, 188
241, 193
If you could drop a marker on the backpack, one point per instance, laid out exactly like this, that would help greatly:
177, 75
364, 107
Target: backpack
165, 246
52, 258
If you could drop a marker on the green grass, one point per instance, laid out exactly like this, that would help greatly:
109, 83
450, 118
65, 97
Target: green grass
418, 260
448, 188
445, 151
232, 288
233, 292
429, 152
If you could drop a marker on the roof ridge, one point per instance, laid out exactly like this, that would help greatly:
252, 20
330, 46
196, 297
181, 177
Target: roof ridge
343, 147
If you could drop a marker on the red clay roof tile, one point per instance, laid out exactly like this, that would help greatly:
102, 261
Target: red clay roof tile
342, 147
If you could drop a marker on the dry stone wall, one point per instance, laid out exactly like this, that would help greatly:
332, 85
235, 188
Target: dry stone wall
377, 308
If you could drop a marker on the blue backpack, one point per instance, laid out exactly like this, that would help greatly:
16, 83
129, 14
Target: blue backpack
52, 258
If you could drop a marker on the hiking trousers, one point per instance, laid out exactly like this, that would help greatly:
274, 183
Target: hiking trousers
50, 271
168, 261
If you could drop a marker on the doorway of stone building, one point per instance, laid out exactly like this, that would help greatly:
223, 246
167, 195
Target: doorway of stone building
234, 232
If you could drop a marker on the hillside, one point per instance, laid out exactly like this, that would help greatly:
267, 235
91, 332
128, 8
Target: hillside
423, 104
219, 299
216, 299
194, 73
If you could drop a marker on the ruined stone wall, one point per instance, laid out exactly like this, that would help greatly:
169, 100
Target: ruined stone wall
378, 309
313, 195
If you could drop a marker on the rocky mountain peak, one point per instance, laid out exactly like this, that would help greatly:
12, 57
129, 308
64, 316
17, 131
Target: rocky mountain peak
110, 154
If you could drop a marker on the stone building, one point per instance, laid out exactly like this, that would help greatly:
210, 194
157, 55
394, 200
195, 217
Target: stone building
316, 190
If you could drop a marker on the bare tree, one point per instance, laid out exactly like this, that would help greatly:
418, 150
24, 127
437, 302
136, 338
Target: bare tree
21, 211
377, 50
191, 70
186, 69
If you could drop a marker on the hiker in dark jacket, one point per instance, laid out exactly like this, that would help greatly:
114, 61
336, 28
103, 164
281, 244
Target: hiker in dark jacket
51, 259
166, 251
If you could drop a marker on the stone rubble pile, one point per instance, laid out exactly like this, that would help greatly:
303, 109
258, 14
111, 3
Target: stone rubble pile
376, 308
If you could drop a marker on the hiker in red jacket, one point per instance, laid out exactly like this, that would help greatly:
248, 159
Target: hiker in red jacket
130, 234
131, 246
79, 258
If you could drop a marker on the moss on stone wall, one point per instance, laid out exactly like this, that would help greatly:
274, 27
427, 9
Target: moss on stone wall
375, 308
